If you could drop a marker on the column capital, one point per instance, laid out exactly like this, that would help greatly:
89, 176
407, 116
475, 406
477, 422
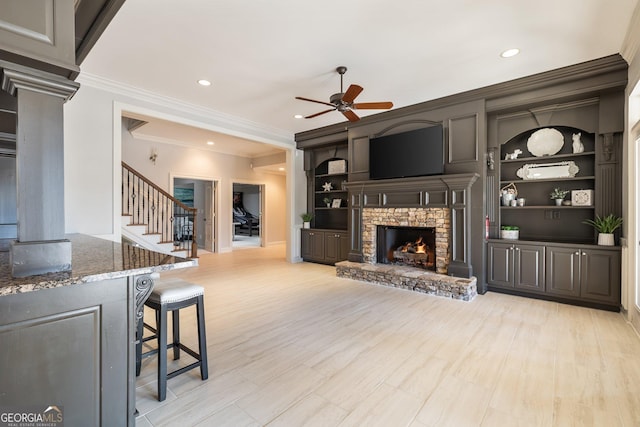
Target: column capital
16, 76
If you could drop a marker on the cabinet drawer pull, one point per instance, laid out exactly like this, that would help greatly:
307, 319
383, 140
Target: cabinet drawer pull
577, 253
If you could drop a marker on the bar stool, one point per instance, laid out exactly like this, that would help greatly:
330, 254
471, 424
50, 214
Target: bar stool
173, 295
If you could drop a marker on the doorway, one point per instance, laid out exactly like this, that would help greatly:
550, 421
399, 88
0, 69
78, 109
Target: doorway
200, 194
247, 218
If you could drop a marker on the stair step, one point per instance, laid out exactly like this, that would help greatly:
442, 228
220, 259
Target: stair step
152, 234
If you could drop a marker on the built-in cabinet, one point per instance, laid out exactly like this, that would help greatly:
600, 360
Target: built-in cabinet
579, 273
584, 273
327, 241
574, 146
324, 246
516, 266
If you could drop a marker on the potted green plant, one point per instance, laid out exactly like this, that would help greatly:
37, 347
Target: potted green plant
605, 227
306, 219
327, 201
558, 195
511, 232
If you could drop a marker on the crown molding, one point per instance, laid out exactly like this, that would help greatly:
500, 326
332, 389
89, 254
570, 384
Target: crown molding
631, 43
259, 132
16, 76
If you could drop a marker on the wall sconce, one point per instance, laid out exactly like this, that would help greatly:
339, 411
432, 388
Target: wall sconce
153, 156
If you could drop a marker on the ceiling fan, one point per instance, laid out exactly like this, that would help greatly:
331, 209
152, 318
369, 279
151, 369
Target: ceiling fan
343, 101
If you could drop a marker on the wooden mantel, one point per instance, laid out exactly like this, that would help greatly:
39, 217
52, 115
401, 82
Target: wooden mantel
441, 191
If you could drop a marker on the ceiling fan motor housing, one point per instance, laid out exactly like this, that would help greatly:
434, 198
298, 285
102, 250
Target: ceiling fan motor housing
336, 99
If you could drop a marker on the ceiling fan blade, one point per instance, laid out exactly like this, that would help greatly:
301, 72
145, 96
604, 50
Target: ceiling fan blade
317, 114
351, 93
353, 117
313, 100
373, 105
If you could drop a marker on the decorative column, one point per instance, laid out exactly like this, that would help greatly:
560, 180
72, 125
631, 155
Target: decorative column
41, 246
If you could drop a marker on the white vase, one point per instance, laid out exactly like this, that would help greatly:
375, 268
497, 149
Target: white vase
605, 239
306, 225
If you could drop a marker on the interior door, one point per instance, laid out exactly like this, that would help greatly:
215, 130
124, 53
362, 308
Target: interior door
209, 216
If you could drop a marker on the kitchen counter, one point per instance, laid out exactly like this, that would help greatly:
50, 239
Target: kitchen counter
70, 337
93, 260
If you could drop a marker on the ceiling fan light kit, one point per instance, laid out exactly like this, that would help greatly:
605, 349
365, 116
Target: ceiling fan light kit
343, 101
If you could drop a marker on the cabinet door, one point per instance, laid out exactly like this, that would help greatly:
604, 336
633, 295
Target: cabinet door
563, 271
317, 245
500, 260
305, 244
343, 246
600, 275
331, 247
529, 268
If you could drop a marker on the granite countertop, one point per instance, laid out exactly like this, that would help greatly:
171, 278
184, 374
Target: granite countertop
93, 260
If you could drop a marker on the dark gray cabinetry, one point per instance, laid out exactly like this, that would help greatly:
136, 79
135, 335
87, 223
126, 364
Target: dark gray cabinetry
336, 246
312, 244
516, 266
324, 246
587, 274
72, 347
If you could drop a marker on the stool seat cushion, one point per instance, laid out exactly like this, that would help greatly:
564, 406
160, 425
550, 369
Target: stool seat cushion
174, 291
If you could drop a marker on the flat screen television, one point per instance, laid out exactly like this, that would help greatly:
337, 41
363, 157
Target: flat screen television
418, 152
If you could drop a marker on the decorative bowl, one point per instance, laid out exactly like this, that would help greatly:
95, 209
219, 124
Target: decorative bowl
545, 142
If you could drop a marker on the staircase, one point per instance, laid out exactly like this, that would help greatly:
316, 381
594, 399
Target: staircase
154, 219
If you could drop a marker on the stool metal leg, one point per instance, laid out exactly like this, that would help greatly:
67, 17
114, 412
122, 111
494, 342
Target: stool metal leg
162, 353
202, 339
175, 314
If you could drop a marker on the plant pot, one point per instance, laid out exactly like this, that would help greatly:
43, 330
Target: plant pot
306, 225
559, 202
510, 234
606, 239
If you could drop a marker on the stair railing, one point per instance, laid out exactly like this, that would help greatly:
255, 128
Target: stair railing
159, 211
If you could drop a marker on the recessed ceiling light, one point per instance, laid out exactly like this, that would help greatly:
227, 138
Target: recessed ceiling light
280, 169
510, 52
203, 82
298, 116
210, 143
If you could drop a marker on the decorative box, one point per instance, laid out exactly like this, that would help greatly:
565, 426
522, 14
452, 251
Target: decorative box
337, 166
582, 197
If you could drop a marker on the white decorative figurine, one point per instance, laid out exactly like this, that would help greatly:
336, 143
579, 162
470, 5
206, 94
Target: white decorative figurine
514, 155
327, 186
578, 147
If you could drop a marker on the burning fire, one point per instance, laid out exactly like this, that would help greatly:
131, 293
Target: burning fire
416, 247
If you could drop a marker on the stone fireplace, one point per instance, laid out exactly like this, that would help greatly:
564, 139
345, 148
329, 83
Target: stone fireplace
439, 204
437, 219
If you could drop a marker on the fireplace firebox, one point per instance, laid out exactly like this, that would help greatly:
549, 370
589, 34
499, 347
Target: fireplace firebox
410, 246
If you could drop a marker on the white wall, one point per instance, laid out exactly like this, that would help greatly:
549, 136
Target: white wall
93, 133
631, 173
179, 161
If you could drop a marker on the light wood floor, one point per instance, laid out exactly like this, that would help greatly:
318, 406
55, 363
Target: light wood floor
292, 345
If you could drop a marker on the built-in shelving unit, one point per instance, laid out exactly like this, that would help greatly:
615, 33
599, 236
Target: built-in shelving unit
555, 256
327, 241
555, 222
